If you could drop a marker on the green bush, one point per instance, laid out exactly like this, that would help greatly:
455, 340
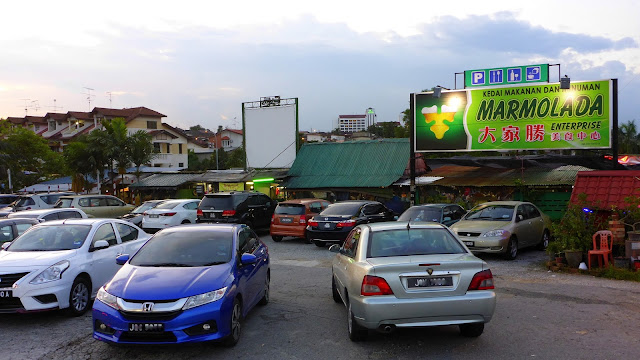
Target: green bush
576, 228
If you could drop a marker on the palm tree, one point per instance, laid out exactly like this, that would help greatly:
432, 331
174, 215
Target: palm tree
141, 150
628, 138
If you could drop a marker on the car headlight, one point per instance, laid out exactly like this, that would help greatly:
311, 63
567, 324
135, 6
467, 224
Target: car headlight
205, 298
494, 233
52, 273
107, 299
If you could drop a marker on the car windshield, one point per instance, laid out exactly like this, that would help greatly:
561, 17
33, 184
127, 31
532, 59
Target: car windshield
6, 200
340, 209
25, 201
186, 248
63, 203
416, 241
51, 238
421, 214
290, 209
168, 205
491, 212
144, 207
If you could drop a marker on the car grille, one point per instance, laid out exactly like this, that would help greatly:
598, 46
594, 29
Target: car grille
10, 304
7, 280
166, 336
150, 316
469, 234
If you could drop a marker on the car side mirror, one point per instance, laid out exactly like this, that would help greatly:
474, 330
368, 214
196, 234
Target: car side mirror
247, 259
100, 244
335, 248
122, 259
6, 244
446, 218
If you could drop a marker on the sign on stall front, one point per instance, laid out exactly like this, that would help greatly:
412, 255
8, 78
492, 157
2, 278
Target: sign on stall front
532, 117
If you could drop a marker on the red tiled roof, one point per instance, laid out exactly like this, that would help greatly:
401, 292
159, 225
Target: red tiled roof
127, 114
55, 116
239, 132
607, 188
35, 119
226, 138
79, 115
15, 120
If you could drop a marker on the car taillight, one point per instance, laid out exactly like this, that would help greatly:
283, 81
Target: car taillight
168, 214
145, 213
199, 212
28, 208
303, 219
346, 223
273, 217
482, 281
375, 285
228, 213
313, 223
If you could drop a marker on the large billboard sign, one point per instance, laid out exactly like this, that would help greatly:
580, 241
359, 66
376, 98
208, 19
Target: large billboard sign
533, 117
506, 75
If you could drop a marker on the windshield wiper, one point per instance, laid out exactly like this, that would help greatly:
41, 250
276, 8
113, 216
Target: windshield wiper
165, 265
215, 263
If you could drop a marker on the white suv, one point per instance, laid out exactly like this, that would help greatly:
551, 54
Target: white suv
38, 201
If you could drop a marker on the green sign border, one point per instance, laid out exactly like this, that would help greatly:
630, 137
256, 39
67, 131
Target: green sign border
544, 76
577, 118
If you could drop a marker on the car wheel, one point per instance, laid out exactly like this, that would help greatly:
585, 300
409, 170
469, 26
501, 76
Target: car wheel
334, 290
265, 297
318, 243
79, 297
471, 330
545, 241
236, 324
356, 332
512, 249
307, 237
185, 221
276, 238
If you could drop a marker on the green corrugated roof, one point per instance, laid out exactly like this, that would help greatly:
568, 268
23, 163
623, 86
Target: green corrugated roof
357, 164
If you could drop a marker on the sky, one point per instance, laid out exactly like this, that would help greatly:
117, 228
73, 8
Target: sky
197, 61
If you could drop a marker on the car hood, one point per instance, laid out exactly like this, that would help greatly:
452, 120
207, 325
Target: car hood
33, 258
166, 283
479, 225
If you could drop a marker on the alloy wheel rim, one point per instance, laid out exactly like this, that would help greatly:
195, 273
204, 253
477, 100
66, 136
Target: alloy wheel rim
80, 296
235, 322
545, 240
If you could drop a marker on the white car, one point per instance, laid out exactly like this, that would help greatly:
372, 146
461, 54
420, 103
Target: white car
49, 214
170, 213
37, 201
61, 264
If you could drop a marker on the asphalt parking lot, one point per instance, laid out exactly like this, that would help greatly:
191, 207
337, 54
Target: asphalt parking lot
539, 315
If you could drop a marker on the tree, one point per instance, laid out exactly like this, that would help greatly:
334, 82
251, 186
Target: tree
119, 147
142, 151
81, 166
237, 158
28, 156
628, 138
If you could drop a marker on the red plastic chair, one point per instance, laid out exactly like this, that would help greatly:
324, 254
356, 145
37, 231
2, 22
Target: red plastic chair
602, 245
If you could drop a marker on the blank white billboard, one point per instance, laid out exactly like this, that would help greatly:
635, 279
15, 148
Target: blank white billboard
270, 135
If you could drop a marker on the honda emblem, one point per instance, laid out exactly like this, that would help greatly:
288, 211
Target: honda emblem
147, 307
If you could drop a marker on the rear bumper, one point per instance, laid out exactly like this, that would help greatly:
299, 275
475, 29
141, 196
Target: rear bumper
288, 230
473, 307
329, 236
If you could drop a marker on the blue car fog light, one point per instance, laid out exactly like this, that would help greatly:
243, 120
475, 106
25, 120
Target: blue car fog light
103, 328
207, 327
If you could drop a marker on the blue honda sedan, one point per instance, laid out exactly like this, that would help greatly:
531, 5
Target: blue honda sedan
186, 284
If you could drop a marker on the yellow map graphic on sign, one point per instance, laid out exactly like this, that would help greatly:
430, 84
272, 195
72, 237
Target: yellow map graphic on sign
431, 115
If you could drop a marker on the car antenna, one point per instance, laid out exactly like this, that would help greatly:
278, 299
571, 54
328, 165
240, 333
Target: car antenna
408, 222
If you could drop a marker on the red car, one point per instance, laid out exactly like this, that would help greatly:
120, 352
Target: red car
290, 217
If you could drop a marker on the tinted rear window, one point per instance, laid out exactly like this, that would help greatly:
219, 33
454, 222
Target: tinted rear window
290, 209
168, 205
421, 214
25, 201
5, 200
63, 203
405, 242
222, 201
342, 209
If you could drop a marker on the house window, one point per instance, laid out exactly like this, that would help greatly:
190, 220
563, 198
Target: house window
180, 164
168, 148
226, 143
152, 124
180, 149
52, 125
156, 147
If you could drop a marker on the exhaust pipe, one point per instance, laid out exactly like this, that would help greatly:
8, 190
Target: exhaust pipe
387, 328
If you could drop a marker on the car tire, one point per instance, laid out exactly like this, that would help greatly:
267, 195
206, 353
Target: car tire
276, 238
265, 297
308, 238
185, 221
235, 323
356, 332
544, 242
79, 297
512, 249
318, 243
334, 290
471, 330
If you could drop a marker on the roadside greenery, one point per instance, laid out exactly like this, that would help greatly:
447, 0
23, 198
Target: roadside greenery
576, 228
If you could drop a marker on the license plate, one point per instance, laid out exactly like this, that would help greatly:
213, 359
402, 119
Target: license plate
143, 327
286, 220
6, 293
435, 281
153, 216
468, 243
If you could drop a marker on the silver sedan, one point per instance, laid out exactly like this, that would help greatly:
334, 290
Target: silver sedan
397, 274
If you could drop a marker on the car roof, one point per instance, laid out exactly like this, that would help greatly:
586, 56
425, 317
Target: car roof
38, 212
233, 193
399, 225
513, 203
203, 227
431, 206
356, 202
3, 222
88, 221
300, 201
87, 195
